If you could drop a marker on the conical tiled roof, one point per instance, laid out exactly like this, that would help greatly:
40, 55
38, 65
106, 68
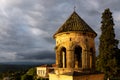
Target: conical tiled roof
75, 23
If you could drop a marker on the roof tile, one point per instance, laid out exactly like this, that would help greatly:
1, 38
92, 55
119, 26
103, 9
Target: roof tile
75, 23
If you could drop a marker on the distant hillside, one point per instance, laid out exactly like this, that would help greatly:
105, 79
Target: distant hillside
14, 67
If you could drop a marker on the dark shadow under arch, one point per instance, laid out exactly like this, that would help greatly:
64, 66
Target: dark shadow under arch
77, 56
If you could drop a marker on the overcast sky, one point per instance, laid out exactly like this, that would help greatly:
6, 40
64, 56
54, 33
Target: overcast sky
27, 26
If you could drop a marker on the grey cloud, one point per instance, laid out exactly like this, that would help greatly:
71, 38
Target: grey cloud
50, 40
39, 55
20, 20
114, 5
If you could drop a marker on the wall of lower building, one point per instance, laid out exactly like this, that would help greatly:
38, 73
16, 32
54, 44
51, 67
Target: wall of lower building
80, 77
59, 77
89, 77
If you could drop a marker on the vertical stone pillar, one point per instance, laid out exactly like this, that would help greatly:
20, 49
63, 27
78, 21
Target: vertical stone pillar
63, 57
94, 56
88, 59
91, 61
57, 59
83, 59
72, 59
69, 59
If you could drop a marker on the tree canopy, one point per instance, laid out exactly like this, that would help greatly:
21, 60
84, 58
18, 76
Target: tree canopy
108, 47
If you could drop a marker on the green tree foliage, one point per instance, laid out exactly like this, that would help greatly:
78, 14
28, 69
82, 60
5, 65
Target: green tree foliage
108, 48
30, 74
31, 71
27, 77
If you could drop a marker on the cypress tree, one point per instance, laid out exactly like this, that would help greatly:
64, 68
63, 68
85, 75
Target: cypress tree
108, 46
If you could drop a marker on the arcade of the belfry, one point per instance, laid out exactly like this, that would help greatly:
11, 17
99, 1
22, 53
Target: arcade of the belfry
75, 51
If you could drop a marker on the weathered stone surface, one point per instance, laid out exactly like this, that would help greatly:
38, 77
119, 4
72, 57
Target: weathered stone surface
70, 42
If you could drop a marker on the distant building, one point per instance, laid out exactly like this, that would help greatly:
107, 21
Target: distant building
75, 51
42, 71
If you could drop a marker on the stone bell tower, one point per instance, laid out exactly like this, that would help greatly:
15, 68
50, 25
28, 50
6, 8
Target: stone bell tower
75, 49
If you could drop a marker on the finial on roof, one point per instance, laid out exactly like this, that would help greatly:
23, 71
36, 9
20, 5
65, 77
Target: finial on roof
74, 8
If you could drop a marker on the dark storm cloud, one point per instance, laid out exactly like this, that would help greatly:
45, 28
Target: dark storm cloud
39, 55
27, 26
50, 40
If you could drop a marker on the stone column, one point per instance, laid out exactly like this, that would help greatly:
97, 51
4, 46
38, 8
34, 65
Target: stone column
83, 59
57, 59
88, 59
69, 59
72, 59
91, 61
63, 56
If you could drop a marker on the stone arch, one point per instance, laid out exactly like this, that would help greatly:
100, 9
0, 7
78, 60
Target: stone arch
62, 57
78, 56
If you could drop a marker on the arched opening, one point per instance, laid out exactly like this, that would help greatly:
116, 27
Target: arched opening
77, 57
91, 57
63, 57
